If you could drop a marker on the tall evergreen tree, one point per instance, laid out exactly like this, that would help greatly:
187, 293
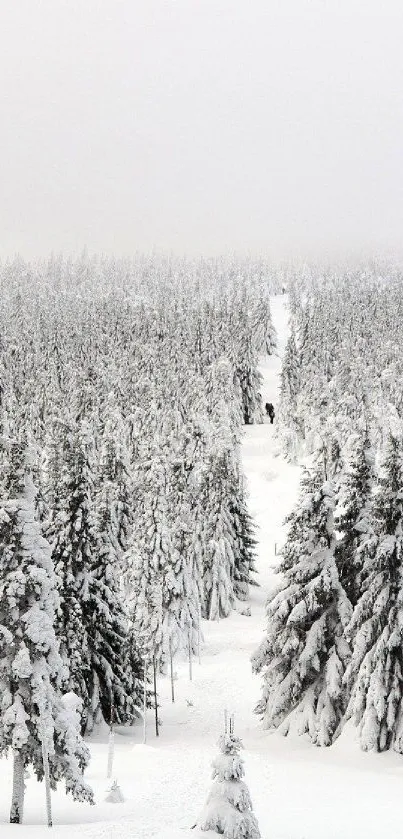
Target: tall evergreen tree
115, 480
185, 599
217, 535
264, 332
353, 519
250, 382
92, 623
32, 673
151, 561
73, 538
245, 542
375, 673
290, 426
115, 685
246, 365
304, 653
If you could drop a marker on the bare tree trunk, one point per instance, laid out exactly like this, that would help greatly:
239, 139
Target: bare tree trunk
190, 658
157, 732
111, 744
17, 801
172, 674
45, 758
145, 700
199, 634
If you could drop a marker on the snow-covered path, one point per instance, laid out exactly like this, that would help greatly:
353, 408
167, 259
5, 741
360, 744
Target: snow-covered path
299, 792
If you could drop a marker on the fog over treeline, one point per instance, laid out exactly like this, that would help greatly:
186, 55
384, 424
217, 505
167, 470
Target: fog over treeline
209, 127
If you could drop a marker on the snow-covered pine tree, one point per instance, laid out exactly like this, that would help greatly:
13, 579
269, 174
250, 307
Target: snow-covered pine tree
118, 660
265, 336
374, 675
184, 600
92, 624
216, 533
223, 530
245, 542
31, 670
73, 538
228, 810
290, 427
115, 471
304, 653
114, 684
149, 556
353, 517
250, 382
246, 364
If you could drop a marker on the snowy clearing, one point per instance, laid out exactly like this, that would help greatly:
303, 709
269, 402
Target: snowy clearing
298, 791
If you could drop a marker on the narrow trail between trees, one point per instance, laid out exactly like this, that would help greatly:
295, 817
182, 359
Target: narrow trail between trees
298, 791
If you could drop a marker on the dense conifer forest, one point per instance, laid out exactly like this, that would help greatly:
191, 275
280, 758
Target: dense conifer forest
124, 386
333, 648
125, 390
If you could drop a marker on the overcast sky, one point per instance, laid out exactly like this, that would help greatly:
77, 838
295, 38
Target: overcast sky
271, 126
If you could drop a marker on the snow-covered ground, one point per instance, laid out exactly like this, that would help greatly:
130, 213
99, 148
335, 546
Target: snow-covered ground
299, 791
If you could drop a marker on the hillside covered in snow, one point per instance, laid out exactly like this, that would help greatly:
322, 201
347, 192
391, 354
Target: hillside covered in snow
298, 791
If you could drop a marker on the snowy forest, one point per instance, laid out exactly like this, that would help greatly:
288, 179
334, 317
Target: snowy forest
127, 390
201, 419
333, 648
124, 519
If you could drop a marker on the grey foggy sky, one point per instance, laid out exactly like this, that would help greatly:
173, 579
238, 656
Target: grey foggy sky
273, 126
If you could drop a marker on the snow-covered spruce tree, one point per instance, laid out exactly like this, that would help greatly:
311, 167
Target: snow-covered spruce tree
73, 539
374, 675
265, 336
353, 517
304, 654
114, 682
149, 560
250, 381
246, 366
92, 624
118, 660
228, 810
184, 601
31, 670
290, 428
223, 534
115, 472
216, 532
245, 542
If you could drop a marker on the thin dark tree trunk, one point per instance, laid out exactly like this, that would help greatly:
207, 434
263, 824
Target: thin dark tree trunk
45, 758
155, 697
190, 658
111, 743
17, 800
172, 674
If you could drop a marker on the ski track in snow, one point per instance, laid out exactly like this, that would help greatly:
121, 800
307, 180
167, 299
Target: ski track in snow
298, 791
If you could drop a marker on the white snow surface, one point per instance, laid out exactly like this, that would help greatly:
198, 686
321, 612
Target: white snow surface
298, 791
